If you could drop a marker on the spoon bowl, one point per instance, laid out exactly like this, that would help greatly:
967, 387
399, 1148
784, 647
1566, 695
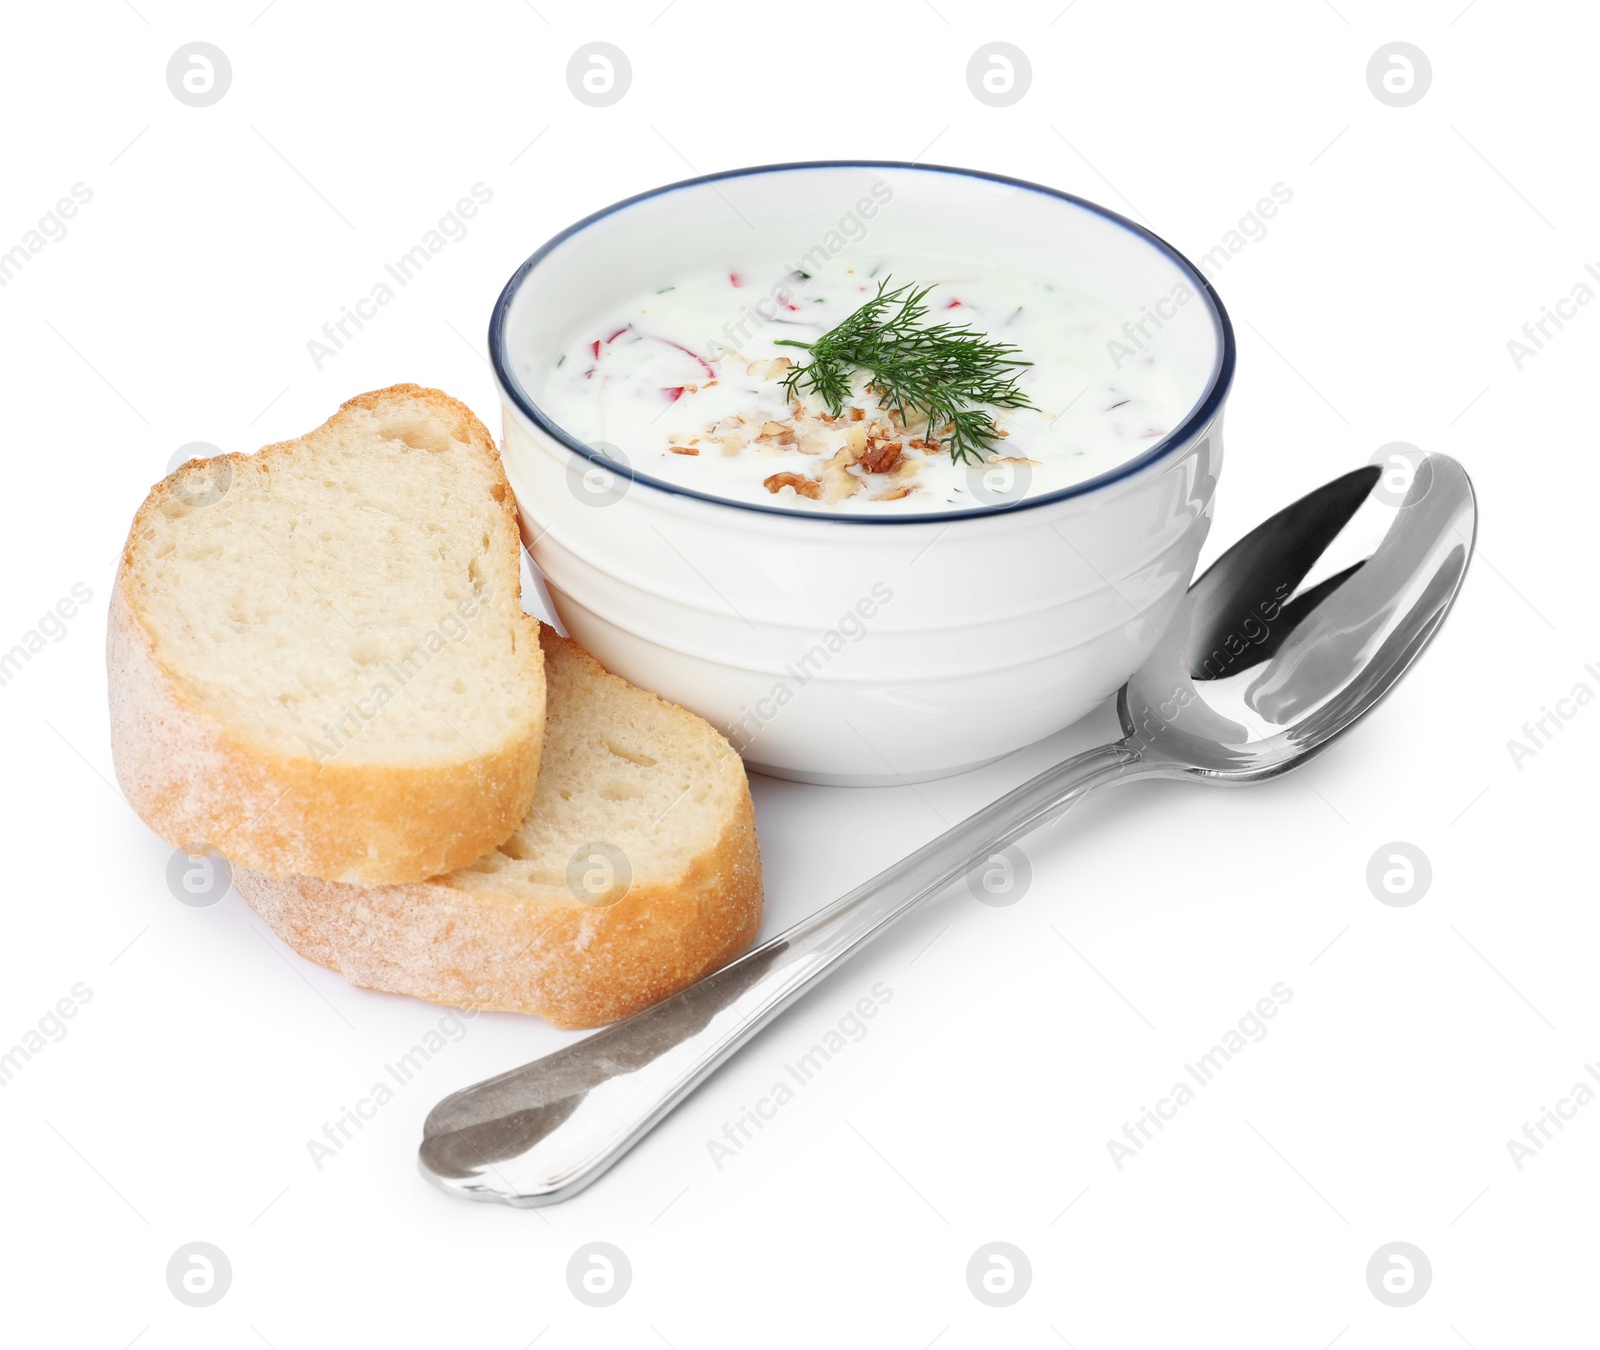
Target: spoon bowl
1291, 636
1305, 624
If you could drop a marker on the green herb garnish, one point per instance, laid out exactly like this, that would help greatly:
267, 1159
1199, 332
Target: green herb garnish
944, 374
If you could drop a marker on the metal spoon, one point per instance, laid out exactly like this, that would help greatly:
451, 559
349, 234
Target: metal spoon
1294, 633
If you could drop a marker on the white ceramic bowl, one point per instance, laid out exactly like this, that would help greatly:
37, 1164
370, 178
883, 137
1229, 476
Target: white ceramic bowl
862, 649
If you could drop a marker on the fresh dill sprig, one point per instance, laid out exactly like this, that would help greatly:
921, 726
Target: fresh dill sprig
942, 373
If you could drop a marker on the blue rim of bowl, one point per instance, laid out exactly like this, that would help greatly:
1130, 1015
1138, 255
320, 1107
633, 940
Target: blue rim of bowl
1203, 412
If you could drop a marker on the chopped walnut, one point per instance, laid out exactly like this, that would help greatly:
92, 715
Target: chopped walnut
837, 478
729, 434
775, 438
806, 487
874, 452
880, 456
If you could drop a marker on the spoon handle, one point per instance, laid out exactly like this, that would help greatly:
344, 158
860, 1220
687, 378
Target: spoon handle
539, 1134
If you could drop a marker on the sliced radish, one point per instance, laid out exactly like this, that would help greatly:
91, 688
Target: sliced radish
705, 366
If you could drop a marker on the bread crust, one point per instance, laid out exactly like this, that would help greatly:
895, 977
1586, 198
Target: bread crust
200, 782
574, 965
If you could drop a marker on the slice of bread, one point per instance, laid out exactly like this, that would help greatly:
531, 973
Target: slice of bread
317, 655
635, 872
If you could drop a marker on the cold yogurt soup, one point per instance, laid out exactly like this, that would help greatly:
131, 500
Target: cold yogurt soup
697, 382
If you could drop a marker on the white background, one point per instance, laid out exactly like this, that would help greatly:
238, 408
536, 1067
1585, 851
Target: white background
1018, 1039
